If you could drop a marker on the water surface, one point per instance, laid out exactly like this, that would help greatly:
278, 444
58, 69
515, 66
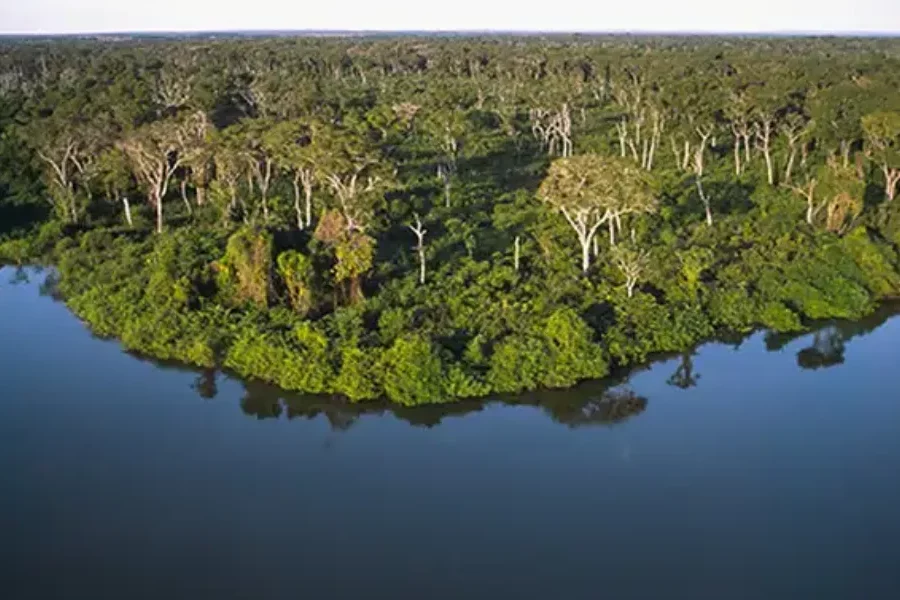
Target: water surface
767, 468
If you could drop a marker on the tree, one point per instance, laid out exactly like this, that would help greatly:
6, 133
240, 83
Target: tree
172, 88
447, 128
356, 175
642, 111
157, 150
420, 232
294, 146
590, 190
882, 130
553, 129
739, 114
699, 165
795, 127
59, 154
67, 150
114, 177
835, 189
632, 263
260, 159
229, 166
296, 273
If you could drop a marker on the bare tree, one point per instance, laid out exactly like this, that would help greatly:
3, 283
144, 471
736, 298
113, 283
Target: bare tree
698, 173
420, 232
157, 151
763, 129
742, 129
553, 129
808, 192
882, 130
60, 156
794, 128
632, 264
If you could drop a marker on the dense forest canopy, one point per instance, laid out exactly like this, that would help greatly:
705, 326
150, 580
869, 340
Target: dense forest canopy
428, 218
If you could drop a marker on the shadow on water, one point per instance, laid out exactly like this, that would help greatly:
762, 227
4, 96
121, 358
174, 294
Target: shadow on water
606, 402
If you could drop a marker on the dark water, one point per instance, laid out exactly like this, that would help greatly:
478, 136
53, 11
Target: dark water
768, 469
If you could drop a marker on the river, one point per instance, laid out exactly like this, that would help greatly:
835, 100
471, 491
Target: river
767, 467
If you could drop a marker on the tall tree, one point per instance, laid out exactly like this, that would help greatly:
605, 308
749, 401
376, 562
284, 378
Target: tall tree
157, 150
882, 130
591, 190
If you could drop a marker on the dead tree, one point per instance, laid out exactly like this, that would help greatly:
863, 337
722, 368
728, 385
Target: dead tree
420, 232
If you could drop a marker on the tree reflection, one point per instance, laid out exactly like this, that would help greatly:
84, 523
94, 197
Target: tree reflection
258, 402
595, 404
829, 341
608, 402
684, 376
827, 350
206, 385
609, 407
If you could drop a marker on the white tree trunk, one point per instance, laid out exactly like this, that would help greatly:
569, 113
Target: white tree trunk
420, 232
298, 212
159, 211
127, 212
516, 251
891, 178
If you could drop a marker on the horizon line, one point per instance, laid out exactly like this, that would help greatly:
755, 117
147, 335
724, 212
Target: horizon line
473, 31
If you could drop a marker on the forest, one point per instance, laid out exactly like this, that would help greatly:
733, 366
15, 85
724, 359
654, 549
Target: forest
425, 219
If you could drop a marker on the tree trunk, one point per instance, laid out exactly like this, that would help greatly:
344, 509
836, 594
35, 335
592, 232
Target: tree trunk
297, 209
585, 255
127, 212
421, 265
184, 197
201, 195
516, 250
790, 164
73, 207
705, 200
159, 211
891, 178
845, 153
737, 156
447, 192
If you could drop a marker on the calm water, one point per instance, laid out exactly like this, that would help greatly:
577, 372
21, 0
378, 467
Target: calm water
768, 469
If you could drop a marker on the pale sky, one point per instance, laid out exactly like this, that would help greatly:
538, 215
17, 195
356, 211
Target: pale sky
82, 16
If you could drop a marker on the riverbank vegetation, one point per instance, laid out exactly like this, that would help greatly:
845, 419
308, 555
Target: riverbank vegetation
428, 219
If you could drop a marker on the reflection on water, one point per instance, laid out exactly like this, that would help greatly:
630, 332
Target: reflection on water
589, 405
608, 402
684, 376
828, 342
727, 471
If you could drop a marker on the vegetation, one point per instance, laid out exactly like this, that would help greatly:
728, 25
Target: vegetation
428, 219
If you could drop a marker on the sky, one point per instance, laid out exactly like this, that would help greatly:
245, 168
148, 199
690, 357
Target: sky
754, 16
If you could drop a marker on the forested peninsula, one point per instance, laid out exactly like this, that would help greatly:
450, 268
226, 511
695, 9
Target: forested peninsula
428, 218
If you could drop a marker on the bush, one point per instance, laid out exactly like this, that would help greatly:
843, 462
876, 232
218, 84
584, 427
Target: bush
413, 373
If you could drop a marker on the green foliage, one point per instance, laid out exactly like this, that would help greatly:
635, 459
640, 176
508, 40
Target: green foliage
413, 373
778, 317
296, 272
371, 134
356, 379
244, 272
